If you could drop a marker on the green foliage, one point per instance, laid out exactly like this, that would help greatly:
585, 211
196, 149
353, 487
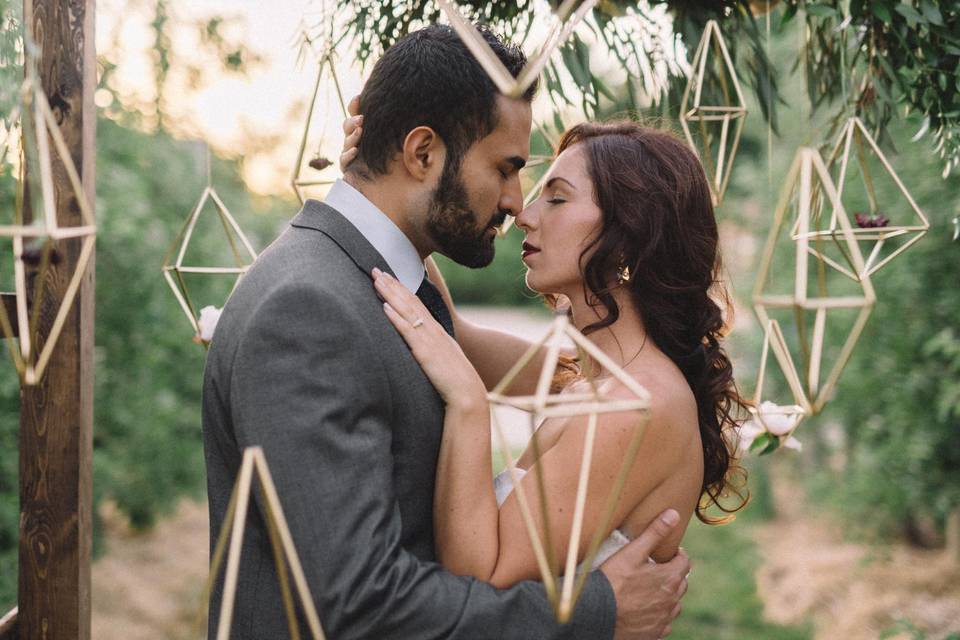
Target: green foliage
374, 26
899, 400
906, 629
9, 485
11, 70
880, 55
147, 437
865, 57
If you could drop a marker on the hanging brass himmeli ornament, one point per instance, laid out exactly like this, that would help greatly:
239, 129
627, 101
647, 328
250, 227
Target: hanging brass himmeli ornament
299, 181
41, 241
563, 593
174, 269
877, 223
807, 190
507, 84
281, 541
713, 68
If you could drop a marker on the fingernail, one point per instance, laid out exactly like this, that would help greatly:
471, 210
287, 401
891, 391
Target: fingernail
359, 119
670, 518
376, 272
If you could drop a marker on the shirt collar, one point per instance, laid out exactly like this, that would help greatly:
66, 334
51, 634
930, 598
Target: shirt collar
380, 231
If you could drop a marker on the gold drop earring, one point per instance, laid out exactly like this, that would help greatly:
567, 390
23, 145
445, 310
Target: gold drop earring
623, 273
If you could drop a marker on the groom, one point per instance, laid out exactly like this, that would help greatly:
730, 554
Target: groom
305, 364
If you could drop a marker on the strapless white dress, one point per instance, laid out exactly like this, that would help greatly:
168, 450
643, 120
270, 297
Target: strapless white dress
503, 486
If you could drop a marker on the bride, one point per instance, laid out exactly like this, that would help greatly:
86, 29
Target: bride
623, 238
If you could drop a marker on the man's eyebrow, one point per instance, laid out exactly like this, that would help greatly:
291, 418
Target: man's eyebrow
517, 162
554, 179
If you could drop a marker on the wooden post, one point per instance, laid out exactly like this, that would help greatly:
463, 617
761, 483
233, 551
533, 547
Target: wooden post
56, 415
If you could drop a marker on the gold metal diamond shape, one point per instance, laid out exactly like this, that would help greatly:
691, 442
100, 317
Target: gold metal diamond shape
301, 181
174, 268
717, 125
563, 593
501, 77
281, 541
910, 224
40, 239
803, 291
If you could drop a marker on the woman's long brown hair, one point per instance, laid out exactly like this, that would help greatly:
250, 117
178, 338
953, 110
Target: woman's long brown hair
658, 220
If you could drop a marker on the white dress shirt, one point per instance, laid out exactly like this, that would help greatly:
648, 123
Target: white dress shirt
380, 231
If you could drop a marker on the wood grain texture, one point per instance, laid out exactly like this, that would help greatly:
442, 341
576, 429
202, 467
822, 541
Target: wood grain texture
56, 418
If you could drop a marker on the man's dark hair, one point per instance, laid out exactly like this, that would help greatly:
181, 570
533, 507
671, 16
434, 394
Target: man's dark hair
429, 78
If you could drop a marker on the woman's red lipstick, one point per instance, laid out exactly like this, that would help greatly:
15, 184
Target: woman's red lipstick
528, 249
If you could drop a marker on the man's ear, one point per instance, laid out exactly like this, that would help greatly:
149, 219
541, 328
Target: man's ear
423, 153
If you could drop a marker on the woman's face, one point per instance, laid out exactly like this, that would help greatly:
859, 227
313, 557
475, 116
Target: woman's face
559, 224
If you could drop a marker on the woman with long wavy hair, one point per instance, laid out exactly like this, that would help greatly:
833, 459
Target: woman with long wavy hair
623, 237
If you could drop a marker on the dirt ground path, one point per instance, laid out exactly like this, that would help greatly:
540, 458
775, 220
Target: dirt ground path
147, 585
852, 591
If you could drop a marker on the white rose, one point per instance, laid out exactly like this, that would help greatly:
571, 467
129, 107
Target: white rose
793, 443
748, 432
209, 316
776, 420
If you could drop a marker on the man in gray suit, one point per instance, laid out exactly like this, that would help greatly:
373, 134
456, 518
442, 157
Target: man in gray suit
305, 364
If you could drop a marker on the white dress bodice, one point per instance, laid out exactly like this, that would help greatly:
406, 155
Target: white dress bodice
503, 486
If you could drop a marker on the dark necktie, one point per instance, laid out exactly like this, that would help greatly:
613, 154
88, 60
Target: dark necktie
434, 303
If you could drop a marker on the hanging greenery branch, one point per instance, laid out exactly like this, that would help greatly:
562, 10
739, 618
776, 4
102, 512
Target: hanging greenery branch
646, 37
878, 58
872, 58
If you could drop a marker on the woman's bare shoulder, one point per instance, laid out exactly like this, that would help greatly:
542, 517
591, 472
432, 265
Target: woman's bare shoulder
672, 414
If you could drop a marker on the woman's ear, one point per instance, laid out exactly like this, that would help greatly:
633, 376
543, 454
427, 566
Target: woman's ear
423, 153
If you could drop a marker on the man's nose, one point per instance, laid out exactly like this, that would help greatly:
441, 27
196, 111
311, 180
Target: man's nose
511, 199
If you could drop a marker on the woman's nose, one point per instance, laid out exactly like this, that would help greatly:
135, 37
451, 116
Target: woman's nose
526, 218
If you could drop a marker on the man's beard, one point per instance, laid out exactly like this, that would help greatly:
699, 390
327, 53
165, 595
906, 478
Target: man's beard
452, 224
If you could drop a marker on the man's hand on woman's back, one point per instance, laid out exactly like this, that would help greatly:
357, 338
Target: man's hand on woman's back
648, 594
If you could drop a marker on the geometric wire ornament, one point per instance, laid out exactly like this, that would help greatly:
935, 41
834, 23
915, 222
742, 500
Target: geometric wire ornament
718, 112
773, 423
174, 268
545, 405
872, 225
803, 292
281, 541
41, 242
299, 181
501, 77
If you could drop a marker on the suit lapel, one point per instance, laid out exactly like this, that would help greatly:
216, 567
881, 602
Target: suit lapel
327, 220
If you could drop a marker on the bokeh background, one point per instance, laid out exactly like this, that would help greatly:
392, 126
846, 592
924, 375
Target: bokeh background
845, 539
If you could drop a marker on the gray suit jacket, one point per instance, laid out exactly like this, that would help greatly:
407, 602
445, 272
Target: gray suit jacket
306, 365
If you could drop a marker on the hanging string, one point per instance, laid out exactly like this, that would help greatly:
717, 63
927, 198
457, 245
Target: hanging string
843, 54
805, 105
766, 46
